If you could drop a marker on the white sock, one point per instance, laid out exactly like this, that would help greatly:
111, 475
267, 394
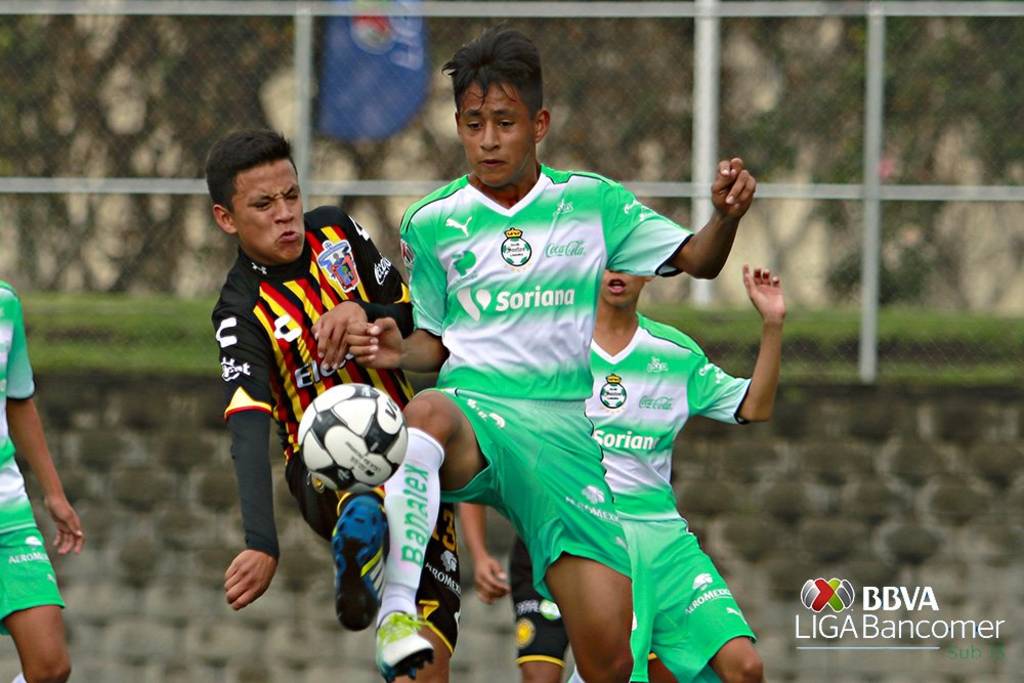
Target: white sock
411, 500
575, 678
20, 678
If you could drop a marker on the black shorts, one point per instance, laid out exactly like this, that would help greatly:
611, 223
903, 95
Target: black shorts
540, 633
439, 595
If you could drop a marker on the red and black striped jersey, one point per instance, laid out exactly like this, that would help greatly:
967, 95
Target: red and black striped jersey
265, 314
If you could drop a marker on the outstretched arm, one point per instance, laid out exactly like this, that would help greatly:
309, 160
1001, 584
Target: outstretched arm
705, 253
30, 443
765, 291
489, 577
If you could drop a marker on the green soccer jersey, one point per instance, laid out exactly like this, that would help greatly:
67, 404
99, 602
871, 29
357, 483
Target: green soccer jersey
642, 398
15, 382
512, 292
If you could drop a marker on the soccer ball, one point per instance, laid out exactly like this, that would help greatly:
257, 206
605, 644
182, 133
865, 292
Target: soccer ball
352, 438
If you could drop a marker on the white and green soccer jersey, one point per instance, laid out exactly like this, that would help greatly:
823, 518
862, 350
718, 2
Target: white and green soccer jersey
512, 291
642, 398
15, 382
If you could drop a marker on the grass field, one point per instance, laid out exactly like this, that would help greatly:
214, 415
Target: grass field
154, 334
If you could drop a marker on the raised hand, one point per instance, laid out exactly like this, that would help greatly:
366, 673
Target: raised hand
765, 292
733, 189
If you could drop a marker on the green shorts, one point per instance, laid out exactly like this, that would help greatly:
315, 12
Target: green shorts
26, 575
684, 611
544, 474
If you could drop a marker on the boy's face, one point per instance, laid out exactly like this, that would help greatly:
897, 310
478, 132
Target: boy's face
621, 290
266, 213
499, 135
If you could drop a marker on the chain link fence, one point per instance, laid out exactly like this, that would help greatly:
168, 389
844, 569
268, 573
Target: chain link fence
108, 117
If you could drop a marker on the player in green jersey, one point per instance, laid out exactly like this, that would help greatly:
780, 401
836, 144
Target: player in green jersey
30, 603
505, 266
649, 379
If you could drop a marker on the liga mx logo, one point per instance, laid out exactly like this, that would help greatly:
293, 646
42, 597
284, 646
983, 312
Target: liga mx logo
836, 593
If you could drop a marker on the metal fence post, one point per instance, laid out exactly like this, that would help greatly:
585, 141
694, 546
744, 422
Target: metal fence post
706, 69
302, 139
870, 266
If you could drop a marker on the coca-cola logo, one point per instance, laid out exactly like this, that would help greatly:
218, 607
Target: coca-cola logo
656, 402
571, 248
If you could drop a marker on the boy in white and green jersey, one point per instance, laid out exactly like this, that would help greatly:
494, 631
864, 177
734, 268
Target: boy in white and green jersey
649, 379
505, 266
30, 603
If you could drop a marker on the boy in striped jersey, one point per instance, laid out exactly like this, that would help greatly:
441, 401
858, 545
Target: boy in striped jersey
505, 265
298, 281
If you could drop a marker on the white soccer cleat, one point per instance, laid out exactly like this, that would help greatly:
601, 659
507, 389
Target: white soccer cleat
401, 650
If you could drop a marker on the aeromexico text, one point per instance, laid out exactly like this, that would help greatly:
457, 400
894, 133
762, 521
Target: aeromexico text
877, 602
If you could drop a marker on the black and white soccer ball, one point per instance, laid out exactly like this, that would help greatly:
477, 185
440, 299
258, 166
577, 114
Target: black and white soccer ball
352, 437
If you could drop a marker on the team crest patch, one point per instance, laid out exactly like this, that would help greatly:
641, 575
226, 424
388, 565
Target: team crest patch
407, 255
549, 610
515, 250
613, 394
525, 632
338, 262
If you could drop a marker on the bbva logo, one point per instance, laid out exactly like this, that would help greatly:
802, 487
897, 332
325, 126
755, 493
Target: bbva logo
839, 595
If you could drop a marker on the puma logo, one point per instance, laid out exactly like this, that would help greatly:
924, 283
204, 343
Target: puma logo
464, 227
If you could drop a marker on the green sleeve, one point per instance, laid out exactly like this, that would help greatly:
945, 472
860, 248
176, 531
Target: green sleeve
19, 371
427, 280
639, 239
714, 393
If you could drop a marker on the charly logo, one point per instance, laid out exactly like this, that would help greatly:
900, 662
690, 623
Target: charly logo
515, 250
836, 593
613, 394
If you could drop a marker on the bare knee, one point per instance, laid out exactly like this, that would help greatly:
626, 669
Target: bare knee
540, 672
434, 414
616, 667
49, 672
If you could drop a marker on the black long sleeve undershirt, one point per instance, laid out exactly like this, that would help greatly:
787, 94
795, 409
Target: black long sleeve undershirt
250, 452
401, 312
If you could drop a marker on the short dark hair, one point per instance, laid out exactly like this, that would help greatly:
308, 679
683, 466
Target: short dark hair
501, 55
239, 151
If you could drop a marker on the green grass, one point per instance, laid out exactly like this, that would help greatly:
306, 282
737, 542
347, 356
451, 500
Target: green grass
116, 333
156, 334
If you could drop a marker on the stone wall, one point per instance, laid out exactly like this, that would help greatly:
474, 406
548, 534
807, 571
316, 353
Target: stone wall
888, 486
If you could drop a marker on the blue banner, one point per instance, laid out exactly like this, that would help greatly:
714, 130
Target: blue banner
374, 76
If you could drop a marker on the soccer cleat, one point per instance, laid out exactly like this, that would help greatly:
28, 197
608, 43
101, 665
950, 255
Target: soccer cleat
358, 545
401, 650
